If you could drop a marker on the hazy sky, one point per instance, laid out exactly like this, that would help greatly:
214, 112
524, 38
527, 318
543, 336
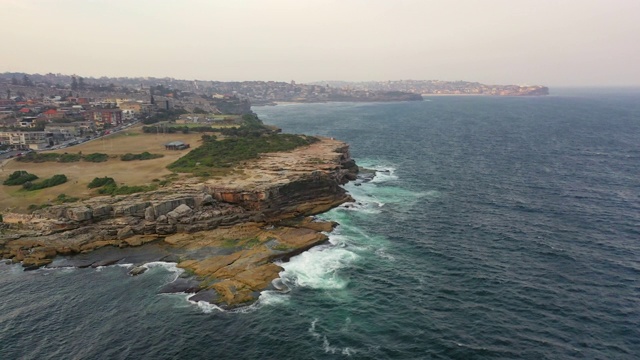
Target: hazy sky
549, 42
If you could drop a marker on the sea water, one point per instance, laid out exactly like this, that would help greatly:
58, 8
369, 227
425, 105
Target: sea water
495, 228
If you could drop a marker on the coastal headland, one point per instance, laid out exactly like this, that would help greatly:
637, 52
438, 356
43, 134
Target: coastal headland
227, 232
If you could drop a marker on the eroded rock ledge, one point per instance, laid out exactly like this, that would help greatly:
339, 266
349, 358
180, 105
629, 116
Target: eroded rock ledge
226, 232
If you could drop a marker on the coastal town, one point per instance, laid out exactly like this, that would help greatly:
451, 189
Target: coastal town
39, 112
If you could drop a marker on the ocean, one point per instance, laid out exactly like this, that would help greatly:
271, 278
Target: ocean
495, 228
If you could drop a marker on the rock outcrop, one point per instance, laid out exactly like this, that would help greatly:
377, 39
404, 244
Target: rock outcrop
234, 227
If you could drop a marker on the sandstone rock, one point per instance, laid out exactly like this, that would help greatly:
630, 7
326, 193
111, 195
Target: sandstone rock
137, 270
79, 213
43, 253
210, 296
34, 263
102, 211
130, 209
125, 232
233, 257
167, 229
149, 214
180, 212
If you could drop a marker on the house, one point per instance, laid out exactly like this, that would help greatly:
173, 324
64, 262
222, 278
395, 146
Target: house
34, 140
176, 145
27, 122
102, 117
67, 131
53, 114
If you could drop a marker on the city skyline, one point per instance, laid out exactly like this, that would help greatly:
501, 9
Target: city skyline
566, 43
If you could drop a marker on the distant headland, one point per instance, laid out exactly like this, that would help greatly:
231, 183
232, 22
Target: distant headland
254, 92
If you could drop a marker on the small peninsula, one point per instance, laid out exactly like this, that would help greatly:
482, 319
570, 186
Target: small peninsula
226, 222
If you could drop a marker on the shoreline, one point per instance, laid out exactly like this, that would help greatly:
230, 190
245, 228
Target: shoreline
227, 233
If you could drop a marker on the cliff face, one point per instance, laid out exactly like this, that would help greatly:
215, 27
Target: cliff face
252, 212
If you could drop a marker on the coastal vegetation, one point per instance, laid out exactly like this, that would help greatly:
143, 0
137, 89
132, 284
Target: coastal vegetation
229, 152
63, 158
101, 181
46, 183
107, 186
19, 177
176, 129
142, 156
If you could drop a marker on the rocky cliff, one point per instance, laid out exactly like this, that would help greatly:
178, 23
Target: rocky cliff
227, 232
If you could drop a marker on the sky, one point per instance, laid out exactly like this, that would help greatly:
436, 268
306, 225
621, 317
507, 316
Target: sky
543, 42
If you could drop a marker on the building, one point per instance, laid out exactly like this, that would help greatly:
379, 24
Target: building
53, 114
27, 122
102, 117
34, 140
176, 145
68, 131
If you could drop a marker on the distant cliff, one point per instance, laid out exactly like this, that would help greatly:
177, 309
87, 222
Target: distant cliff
438, 87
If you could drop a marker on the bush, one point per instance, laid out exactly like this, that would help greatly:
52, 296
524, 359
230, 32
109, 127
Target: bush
99, 182
96, 157
64, 198
38, 157
19, 177
34, 207
229, 152
143, 156
67, 158
46, 183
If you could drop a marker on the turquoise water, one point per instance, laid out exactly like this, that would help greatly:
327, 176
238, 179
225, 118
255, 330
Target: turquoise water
496, 228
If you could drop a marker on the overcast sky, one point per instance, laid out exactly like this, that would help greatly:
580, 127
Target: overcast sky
548, 42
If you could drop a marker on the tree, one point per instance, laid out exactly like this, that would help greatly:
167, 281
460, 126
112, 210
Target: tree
81, 84
26, 81
8, 94
74, 83
14, 81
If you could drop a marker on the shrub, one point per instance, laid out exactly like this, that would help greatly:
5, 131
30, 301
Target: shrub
46, 183
66, 158
38, 157
64, 198
96, 157
19, 177
99, 182
142, 156
34, 207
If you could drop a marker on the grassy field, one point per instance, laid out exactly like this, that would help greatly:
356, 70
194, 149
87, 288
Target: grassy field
12, 198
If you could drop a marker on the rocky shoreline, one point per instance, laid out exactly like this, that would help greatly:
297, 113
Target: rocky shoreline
226, 233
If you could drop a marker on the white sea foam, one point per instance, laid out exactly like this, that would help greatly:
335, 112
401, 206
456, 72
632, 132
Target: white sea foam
326, 345
384, 174
171, 267
318, 268
207, 307
273, 298
383, 254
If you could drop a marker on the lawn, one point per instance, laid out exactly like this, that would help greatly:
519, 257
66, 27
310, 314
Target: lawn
81, 173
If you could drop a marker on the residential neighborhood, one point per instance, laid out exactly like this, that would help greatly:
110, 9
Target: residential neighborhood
39, 116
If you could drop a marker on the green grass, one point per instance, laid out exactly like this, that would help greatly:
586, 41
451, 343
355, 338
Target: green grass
230, 152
